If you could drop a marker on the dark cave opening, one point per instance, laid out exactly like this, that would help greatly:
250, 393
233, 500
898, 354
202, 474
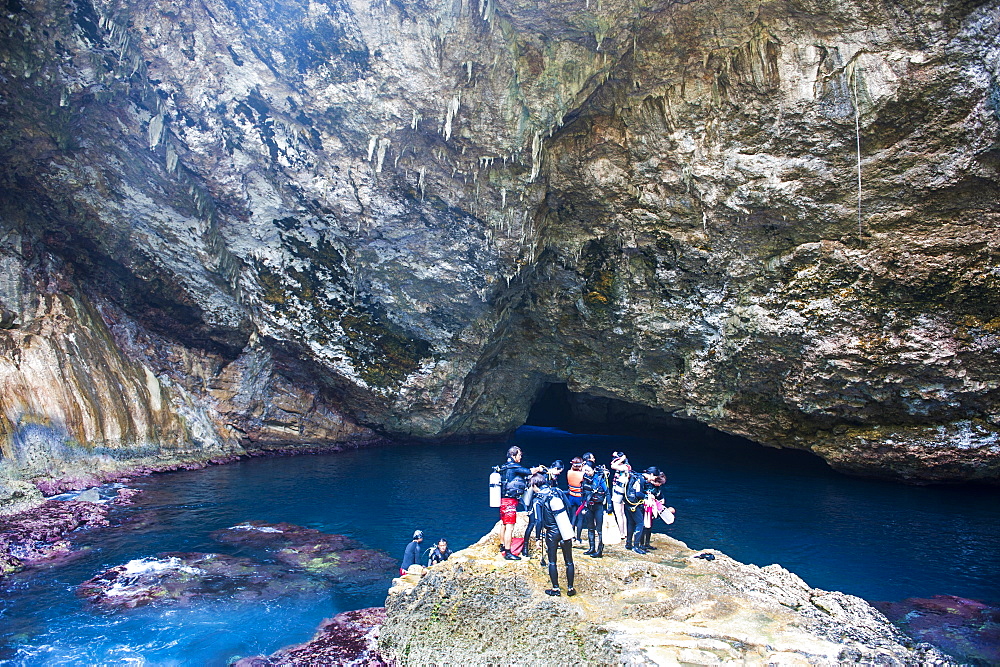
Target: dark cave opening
556, 406
679, 439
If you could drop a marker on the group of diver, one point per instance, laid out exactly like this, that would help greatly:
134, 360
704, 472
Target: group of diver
411, 555
560, 516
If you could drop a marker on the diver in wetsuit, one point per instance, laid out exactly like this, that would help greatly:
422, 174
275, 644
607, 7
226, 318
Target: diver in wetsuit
595, 494
620, 471
440, 553
512, 487
412, 552
534, 523
642, 487
544, 493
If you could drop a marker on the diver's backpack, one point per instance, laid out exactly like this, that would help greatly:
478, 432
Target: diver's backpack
514, 487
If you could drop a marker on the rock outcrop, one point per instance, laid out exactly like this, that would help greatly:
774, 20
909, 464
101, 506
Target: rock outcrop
44, 533
233, 223
349, 639
967, 629
666, 607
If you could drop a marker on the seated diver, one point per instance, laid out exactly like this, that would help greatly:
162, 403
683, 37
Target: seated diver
439, 553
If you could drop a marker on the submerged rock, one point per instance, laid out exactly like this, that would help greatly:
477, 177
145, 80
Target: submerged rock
667, 607
39, 534
967, 629
349, 638
181, 577
333, 556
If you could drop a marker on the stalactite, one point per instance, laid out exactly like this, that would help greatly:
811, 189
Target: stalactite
536, 156
383, 145
453, 106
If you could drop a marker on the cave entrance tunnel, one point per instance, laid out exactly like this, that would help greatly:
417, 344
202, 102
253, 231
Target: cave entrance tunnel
557, 407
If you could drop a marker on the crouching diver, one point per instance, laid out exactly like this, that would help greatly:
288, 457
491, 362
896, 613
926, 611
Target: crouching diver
558, 530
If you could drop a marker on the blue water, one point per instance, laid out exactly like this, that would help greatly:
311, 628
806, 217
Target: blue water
878, 540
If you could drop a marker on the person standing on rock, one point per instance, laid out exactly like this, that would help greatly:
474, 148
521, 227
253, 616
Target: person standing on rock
512, 486
595, 489
412, 552
586, 484
621, 470
641, 487
551, 503
574, 479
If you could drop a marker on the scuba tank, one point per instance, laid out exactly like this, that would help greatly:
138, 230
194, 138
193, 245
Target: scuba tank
668, 515
527, 498
566, 530
495, 488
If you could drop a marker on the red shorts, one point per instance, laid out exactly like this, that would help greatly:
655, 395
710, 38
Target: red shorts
508, 511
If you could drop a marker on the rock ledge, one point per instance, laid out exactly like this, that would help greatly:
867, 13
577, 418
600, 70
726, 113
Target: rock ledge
663, 608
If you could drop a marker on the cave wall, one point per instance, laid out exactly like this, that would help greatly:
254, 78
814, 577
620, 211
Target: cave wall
410, 216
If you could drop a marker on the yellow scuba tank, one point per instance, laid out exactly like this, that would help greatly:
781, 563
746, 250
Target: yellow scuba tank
565, 526
495, 488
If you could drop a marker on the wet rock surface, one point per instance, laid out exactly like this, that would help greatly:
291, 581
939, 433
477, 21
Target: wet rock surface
349, 638
44, 533
969, 630
335, 557
666, 607
284, 560
178, 578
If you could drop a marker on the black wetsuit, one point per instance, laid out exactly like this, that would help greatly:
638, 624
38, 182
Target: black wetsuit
410, 555
553, 539
591, 517
514, 479
534, 523
437, 556
635, 493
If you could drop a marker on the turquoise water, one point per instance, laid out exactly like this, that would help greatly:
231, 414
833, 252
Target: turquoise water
878, 540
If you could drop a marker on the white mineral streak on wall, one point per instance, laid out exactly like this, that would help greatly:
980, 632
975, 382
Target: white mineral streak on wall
383, 144
536, 156
372, 143
450, 116
171, 158
155, 130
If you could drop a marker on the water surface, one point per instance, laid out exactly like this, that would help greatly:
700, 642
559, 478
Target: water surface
878, 540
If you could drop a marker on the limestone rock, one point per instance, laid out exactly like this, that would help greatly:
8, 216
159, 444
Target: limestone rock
303, 219
662, 608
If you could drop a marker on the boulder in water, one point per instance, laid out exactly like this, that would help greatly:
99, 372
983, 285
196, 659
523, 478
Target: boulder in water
39, 534
347, 639
967, 629
181, 577
336, 557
